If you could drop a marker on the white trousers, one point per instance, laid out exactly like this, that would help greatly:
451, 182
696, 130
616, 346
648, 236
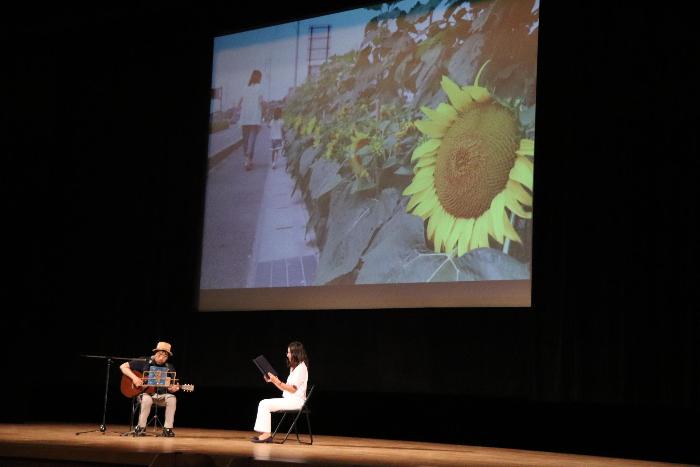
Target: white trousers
167, 400
263, 422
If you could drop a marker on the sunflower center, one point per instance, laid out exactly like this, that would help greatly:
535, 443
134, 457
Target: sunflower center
475, 158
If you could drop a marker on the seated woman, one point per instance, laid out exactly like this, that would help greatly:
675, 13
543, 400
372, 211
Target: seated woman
293, 392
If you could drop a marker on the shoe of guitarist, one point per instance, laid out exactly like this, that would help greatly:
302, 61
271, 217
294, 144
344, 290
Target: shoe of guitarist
152, 379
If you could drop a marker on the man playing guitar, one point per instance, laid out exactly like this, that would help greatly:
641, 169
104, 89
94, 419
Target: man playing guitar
162, 395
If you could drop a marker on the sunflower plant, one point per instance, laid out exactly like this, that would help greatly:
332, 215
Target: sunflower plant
472, 171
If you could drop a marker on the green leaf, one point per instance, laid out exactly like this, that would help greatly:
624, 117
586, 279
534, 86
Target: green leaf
362, 184
324, 177
389, 142
398, 254
461, 66
390, 162
353, 220
307, 158
527, 116
365, 150
488, 264
391, 14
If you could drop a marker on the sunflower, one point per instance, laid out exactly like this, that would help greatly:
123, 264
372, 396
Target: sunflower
472, 170
358, 141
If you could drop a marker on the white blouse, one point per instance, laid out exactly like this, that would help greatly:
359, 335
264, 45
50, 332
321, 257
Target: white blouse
251, 113
298, 377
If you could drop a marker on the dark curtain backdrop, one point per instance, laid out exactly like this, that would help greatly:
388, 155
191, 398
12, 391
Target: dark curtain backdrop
104, 133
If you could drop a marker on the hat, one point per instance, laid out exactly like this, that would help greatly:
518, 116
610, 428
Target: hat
164, 346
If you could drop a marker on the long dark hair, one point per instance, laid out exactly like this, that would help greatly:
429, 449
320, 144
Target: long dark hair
298, 354
255, 77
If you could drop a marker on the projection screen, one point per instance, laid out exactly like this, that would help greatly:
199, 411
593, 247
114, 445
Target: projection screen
381, 157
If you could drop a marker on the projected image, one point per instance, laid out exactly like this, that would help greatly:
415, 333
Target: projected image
384, 145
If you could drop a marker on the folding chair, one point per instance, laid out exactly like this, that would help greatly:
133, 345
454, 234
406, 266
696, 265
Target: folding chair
303, 410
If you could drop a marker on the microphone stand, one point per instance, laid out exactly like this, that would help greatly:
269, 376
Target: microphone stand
103, 426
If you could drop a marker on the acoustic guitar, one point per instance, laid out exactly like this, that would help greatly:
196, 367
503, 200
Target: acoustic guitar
128, 388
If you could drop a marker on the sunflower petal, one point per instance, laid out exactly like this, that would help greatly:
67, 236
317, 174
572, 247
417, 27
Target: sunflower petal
526, 162
433, 222
496, 213
426, 161
417, 199
517, 191
489, 228
509, 231
465, 237
514, 205
444, 114
432, 128
477, 93
422, 172
443, 231
358, 135
427, 148
426, 207
451, 241
460, 99
480, 236
417, 186
446, 110
527, 147
522, 172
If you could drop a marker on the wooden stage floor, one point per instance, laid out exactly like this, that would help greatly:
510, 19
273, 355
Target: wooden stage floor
58, 444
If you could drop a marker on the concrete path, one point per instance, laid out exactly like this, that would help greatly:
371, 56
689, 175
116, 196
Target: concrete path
254, 230
222, 140
285, 256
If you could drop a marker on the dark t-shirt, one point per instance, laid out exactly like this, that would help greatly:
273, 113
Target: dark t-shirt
145, 364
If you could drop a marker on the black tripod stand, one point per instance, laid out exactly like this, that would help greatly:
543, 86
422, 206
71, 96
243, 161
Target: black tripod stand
103, 426
155, 421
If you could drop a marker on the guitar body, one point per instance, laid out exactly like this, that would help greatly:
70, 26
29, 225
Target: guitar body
129, 390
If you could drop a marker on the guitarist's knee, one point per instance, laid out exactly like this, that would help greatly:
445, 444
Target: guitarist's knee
146, 401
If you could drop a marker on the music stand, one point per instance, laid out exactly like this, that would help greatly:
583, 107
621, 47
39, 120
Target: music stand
103, 426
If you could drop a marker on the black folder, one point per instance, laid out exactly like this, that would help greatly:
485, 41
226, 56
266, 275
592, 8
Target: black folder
264, 366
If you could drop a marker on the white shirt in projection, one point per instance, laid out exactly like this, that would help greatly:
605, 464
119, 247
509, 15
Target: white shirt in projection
276, 129
251, 114
298, 377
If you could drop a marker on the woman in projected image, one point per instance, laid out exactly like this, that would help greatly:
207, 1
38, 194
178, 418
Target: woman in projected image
250, 106
293, 392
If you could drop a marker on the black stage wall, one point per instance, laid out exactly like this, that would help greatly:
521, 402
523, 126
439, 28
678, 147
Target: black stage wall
104, 119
